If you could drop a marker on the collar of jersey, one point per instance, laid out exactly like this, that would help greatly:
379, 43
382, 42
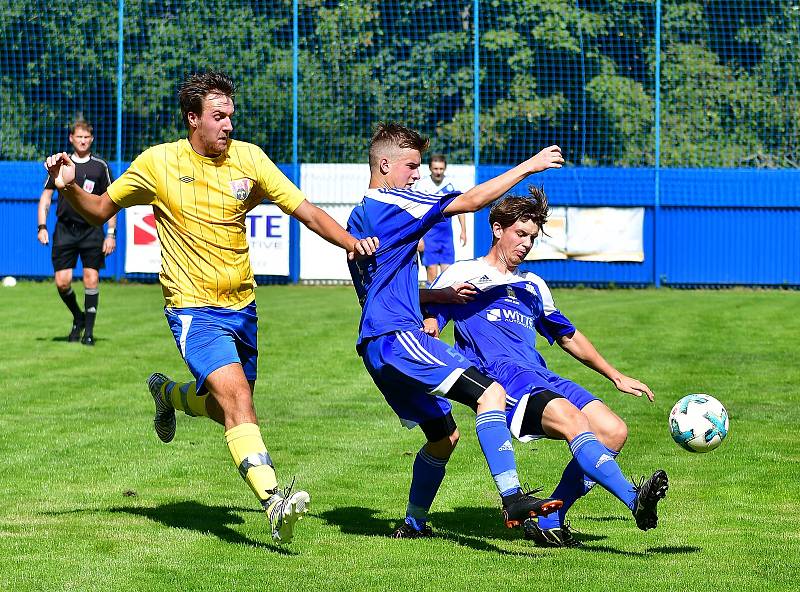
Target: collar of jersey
498, 279
187, 146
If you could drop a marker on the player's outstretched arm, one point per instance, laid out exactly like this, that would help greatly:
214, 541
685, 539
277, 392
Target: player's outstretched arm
318, 221
579, 347
96, 209
485, 193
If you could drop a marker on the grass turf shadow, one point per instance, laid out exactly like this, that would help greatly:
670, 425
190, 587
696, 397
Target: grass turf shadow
206, 519
465, 526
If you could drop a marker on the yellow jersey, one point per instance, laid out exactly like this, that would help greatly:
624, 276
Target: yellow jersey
200, 206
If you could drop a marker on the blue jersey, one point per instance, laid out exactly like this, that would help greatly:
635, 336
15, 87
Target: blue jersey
497, 330
387, 283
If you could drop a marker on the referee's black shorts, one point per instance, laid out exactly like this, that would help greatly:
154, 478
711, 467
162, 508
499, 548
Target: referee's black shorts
72, 239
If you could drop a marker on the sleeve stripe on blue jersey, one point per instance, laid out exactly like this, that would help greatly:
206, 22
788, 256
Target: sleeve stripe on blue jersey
409, 341
413, 196
435, 196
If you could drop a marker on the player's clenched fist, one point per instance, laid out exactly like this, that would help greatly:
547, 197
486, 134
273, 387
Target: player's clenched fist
61, 169
364, 247
548, 158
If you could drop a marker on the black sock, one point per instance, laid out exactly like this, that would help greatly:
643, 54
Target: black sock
72, 304
90, 299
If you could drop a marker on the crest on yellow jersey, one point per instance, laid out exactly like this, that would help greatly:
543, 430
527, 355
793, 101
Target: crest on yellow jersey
241, 188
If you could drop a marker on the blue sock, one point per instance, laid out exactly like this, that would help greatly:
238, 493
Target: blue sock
426, 478
574, 484
495, 440
600, 466
569, 489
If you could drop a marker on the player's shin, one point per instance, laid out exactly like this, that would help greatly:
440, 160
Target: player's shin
495, 440
573, 485
91, 298
184, 397
252, 459
426, 479
599, 465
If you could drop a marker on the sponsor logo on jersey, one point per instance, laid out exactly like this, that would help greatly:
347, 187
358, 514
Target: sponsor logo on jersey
241, 188
485, 279
511, 316
88, 185
186, 179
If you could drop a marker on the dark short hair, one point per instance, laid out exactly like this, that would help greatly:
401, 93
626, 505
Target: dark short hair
197, 87
80, 122
513, 208
438, 158
393, 135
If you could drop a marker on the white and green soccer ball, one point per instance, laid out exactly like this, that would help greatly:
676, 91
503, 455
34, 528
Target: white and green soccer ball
698, 423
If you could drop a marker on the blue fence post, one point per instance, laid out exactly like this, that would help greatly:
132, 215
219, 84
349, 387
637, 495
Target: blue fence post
294, 225
657, 179
479, 238
119, 266
476, 82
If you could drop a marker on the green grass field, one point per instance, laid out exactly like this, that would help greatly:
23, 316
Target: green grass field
91, 500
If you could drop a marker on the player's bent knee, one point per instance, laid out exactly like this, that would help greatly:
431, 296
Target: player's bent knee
440, 428
470, 387
614, 433
610, 429
494, 397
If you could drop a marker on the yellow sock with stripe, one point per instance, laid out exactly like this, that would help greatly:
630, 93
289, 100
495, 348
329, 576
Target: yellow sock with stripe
252, 459
184, 398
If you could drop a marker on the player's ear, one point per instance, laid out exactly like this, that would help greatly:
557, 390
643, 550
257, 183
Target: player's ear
384, 166
497, 230
192, 118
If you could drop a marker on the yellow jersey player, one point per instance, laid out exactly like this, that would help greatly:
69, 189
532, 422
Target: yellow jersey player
201, 189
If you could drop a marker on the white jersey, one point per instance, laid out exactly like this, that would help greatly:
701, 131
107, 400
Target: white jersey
426, 185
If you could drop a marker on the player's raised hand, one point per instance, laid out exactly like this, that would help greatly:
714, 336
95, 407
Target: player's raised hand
549, 158
363, 248
629, 385
61, 169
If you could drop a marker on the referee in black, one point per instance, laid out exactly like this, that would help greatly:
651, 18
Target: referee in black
74, 236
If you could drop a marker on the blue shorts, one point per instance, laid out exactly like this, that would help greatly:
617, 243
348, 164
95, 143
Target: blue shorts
211, 337
439, 250
521, 384
414, 372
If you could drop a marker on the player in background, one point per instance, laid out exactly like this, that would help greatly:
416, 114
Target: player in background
201, 189
74, 236
497, 332
438, 251
416, 373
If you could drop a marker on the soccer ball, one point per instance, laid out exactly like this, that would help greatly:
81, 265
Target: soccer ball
698, 423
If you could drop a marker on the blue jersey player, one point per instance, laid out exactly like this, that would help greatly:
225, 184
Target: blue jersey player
497, 331
417, 374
